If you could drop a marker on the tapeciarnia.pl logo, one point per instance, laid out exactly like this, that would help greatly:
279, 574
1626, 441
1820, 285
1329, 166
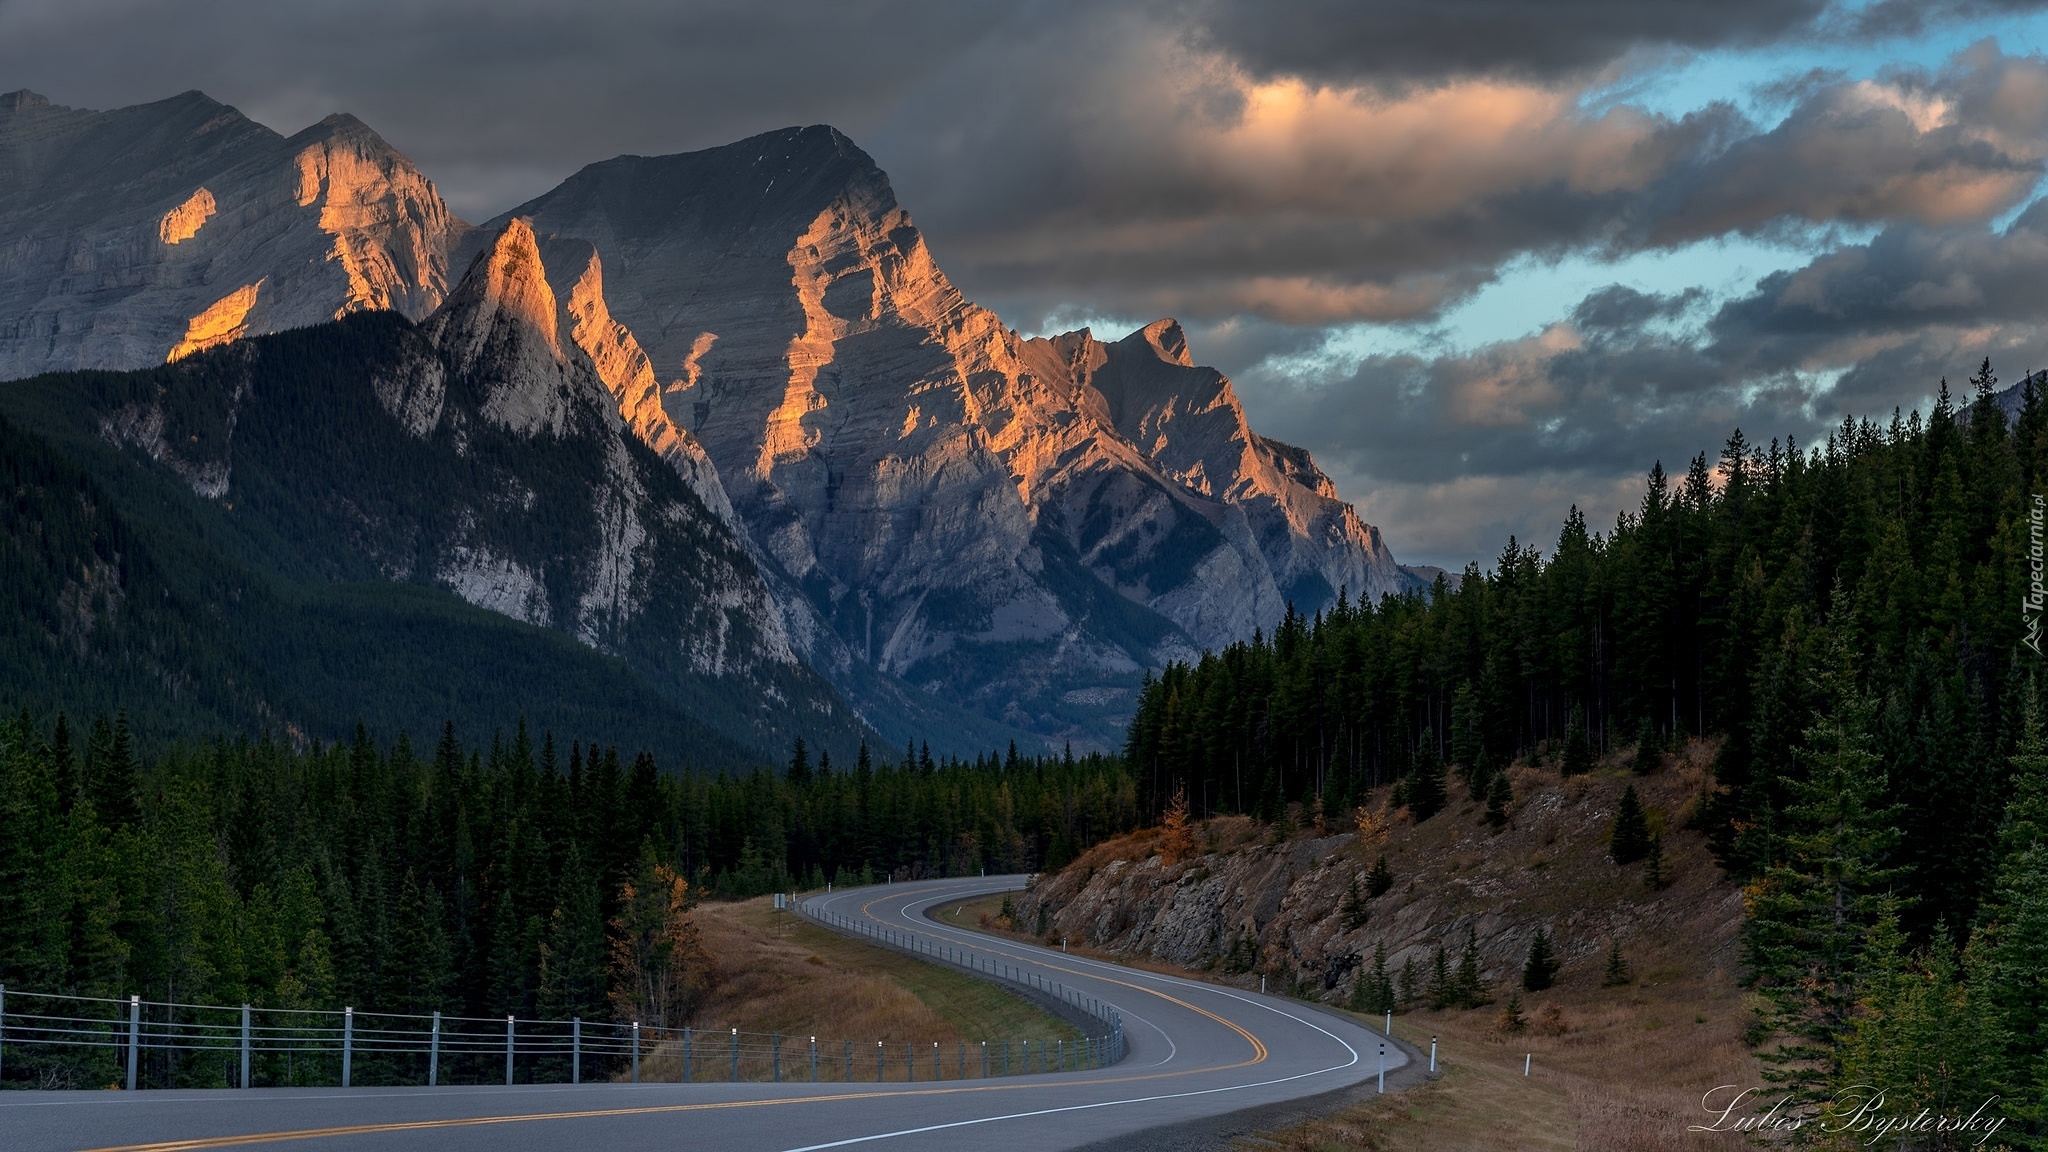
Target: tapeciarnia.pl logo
2036, 599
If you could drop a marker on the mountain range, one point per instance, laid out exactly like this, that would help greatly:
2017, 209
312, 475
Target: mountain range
717, 415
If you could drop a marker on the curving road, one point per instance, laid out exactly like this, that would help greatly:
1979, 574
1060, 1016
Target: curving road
1196, 1052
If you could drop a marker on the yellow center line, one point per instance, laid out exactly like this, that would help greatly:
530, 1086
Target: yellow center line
196, 1144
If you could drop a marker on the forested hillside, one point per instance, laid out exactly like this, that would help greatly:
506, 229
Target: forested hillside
482, 881
1852, 619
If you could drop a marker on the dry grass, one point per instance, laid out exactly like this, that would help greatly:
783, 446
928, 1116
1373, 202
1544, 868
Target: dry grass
779, 974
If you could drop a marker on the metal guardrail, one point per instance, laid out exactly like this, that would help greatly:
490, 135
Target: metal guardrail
59, 1040
1109, 1045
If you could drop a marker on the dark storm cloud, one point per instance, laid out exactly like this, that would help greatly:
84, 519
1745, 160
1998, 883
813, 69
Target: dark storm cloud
1425, 40
1138, 176
498, 101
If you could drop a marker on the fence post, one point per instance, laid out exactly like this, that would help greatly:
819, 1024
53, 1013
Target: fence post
735, 1055
434, 1054
909, 1063
575, 1049
636, 1051
508, 1051
348, 1042
686, 1054
245, 1045
134, 1036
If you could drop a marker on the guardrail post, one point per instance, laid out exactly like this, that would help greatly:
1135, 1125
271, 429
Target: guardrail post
575, 1049
434, 1054
348, 1042
636, 1051
686, 1054
134, 1037
735, 1055
245, 1045
508, 1051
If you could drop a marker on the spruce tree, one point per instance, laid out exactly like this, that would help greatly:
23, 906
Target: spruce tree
1649, 752
1653, 865
1442, 994
1499, 795
1616, 972
1379, 879
1511, 1020
1382, 999
1578, 747
1426, 783
1352, 912
1539, 971
1630, 838
1468, 985
1411, 981
1827, 879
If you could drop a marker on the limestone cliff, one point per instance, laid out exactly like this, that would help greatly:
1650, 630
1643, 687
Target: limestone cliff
145, 234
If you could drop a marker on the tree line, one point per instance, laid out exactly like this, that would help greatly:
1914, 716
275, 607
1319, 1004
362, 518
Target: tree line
1857, 623
518, 877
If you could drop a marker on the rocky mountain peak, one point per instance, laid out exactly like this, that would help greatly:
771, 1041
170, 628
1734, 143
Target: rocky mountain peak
21, 99
1166, 340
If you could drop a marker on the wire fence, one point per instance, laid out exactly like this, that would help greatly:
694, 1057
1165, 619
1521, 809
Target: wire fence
48, 1040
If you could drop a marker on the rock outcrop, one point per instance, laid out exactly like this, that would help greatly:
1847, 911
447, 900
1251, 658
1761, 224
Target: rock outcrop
144, 234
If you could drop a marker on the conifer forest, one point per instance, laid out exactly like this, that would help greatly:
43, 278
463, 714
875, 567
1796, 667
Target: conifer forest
1856, 623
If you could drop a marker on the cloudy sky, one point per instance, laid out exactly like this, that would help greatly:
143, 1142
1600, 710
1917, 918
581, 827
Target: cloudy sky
1486, 258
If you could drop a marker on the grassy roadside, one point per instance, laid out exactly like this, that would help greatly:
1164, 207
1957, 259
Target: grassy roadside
778, 973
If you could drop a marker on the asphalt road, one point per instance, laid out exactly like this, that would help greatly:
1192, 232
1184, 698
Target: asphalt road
1196, 1052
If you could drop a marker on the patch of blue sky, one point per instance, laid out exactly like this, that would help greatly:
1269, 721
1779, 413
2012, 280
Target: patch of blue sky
1530, 293
1678, 84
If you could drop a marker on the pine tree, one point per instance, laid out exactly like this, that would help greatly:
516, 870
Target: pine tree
1539, 970
1379, 879
1653, 865
1630, 838
1578, 748
799, 765
1616, 972
1499, 795
1411, 981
